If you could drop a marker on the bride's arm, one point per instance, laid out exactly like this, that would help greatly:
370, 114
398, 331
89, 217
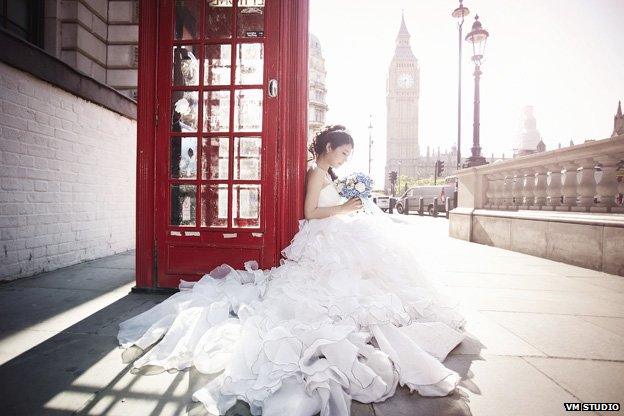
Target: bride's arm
311, 210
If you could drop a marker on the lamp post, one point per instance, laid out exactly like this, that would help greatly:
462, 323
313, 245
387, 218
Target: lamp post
399, 180
370, 142
478, 38
459, 13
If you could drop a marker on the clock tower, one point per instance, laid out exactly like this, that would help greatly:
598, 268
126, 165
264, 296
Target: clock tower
402, 91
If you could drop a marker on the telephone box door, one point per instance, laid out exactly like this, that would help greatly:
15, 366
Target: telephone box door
215, 161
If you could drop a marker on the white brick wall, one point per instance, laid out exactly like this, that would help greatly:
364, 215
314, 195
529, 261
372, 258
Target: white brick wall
67, 178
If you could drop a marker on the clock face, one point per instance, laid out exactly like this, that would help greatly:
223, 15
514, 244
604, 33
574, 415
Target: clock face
405, 81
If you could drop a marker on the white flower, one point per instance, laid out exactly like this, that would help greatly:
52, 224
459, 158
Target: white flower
360, 187
182, 106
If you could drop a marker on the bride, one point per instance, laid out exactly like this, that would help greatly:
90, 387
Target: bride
347, 315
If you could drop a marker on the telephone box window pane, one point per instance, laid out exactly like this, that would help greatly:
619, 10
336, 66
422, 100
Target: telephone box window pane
218, 19
217, 64
215, 157
247, 152
250, 19
184, 111
217, 111
183, 157
185, 69
183, 205
249, 63
214, 205
248, 110
246, 206
185, 20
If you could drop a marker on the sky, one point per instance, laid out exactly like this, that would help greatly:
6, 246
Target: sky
563, 57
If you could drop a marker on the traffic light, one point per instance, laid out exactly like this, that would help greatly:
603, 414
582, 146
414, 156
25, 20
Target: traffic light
392, 175
439, 168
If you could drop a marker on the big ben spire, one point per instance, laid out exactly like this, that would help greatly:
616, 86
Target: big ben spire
403, 32
403, 48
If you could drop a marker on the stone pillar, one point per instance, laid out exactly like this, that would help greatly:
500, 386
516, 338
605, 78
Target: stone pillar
586, 187
553, 189
607, 188
540, 192
516, 189
506, 191
489, 193
499, 192
494, 192
527, 178
620, 208
569, 187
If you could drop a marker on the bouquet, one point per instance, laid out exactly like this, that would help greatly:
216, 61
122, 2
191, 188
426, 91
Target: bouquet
357, 185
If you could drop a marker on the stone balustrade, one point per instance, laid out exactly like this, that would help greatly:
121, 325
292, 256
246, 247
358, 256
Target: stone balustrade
581, 178
564, 205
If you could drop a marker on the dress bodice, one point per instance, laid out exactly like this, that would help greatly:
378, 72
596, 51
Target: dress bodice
329, 196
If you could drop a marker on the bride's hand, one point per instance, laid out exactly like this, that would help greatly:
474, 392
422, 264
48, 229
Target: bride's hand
351, 205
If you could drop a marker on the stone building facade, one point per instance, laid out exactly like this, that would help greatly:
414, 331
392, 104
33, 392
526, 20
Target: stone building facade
96, 37
317, 105
68, 76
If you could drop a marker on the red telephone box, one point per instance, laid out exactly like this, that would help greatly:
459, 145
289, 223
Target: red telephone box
221, 134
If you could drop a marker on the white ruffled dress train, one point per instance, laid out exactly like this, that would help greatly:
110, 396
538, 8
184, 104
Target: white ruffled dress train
349, 314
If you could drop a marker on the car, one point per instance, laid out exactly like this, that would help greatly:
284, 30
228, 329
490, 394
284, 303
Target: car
382, 201
409, 201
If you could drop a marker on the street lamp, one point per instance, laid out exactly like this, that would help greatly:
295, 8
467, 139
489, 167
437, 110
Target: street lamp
399, 181
478, 38
459, 14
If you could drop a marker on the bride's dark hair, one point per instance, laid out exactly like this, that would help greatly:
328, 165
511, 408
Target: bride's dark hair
336, 135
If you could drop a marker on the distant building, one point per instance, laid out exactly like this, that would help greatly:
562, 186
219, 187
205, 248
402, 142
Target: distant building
618, 122
317, 106
529, 140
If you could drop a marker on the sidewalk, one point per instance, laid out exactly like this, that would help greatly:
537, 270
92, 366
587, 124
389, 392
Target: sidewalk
542, 333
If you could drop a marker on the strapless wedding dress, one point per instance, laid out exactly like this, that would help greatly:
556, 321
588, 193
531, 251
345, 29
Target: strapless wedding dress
347, 315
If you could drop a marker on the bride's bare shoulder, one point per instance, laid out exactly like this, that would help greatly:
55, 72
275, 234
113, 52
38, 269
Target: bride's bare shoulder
314, 175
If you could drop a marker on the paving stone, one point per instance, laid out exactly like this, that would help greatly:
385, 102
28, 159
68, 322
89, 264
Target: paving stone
610, 282
526, 282
404, 403
591, 381
119, 261
137, 394
615, 325
487, 337
22, 308
76, 314
23, 341
507, 386
593, 303
58, 375
563, 335
107, 320
6, 357
80, 277
361, 409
